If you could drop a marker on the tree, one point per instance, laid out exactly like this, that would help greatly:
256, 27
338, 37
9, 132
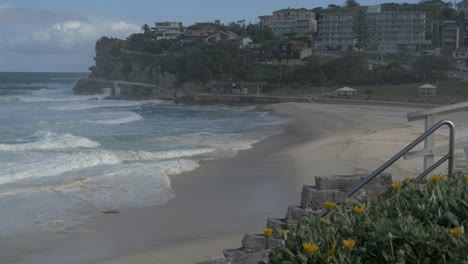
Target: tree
432, 68
146, 29
351, 3
360, 30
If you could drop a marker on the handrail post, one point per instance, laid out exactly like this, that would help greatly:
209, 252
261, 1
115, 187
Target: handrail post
418, 140
429, 141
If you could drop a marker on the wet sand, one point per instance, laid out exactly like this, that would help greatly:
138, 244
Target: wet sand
225, 198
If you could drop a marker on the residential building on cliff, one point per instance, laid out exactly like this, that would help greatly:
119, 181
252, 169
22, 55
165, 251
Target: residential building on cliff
161, 27
298, 21
454, 34
388, 31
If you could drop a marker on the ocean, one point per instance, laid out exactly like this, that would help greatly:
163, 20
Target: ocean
65, 158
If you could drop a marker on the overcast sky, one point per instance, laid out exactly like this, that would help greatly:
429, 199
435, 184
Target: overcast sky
59, 35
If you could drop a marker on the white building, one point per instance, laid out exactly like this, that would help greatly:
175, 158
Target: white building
388, 31
299, 21
161, 27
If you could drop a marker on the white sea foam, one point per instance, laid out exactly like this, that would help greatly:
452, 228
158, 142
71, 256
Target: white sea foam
92, 104
129, 156
127, 117
228, 142
128, 185
39, 165
51, 141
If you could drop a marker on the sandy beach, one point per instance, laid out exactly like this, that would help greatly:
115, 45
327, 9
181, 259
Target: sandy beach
225, 198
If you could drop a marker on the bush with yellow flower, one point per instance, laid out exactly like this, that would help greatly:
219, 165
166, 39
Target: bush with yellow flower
408, 224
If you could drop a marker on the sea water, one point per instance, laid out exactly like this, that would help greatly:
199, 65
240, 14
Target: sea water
65, 158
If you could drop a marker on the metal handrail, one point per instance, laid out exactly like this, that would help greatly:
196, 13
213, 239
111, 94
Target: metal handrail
449, 157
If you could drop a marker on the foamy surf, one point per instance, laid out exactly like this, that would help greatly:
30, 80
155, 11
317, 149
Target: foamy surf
128, 185
50, 141
127, 117
66, 157
42, 165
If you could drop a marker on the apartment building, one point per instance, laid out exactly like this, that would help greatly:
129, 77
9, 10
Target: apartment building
454, 34
161, 27
388, 31
298, 21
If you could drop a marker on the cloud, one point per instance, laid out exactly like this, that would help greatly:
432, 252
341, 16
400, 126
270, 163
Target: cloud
72, 36
11, 16
31, 32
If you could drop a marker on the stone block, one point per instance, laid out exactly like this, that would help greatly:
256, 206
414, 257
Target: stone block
216, 261
344, 182
257, 242
313, 198
277, 225
296, 213
236, 252
252, 258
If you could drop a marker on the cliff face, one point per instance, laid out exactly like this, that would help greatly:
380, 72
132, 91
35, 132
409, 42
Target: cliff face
113, 62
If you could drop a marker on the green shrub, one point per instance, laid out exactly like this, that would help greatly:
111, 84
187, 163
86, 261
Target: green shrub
415, 224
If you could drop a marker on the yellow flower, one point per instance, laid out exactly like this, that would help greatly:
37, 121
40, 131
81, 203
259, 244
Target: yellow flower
456, 231
465, 177
349, 243
333, 250
310, 248
329, 205
284, 232
374, 199
358, 209
436, 178
268, 231
345, 200
396, 186
407, 179
322, 220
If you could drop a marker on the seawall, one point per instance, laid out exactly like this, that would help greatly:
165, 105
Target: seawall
246, 99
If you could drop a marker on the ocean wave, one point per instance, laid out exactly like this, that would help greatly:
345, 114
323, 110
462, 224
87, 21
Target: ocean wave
131, 117
51, 141
91, 104
43, 165
227, 142
49, 164
132, 156
128, 185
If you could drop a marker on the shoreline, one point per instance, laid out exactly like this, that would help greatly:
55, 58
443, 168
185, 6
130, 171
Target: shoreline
213, 201
225, 198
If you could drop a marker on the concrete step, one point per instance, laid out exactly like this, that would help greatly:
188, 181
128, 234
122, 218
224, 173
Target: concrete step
313, 198
258, 242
